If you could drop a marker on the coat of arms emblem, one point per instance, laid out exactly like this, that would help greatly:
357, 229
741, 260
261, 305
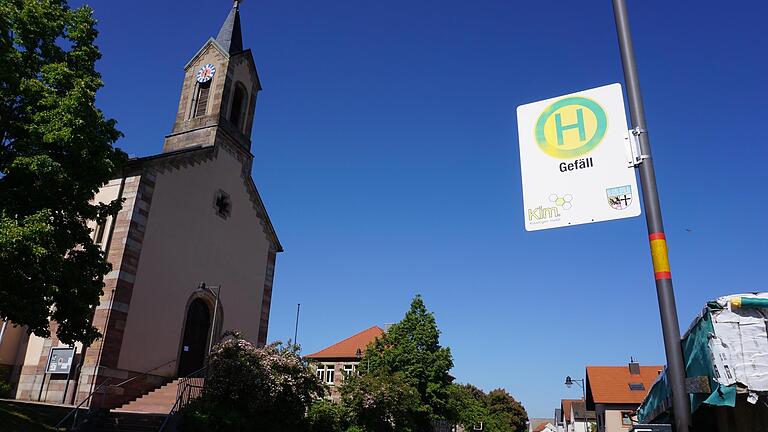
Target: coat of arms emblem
619, 198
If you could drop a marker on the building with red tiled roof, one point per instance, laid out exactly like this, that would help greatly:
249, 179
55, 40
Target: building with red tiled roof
544, 427
575, 417
348, 348
615, 392
342, 358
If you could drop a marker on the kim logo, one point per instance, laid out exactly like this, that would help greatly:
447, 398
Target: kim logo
565, 201
619, 198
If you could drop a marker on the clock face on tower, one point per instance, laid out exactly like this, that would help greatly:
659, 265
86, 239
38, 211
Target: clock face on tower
205, 73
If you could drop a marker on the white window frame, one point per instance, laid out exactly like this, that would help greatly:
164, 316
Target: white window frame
349, 369
330, 374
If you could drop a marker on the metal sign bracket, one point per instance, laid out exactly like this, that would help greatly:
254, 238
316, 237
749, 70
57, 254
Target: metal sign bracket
634, 154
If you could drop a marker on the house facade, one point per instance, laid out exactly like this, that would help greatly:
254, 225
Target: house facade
615, 393
539, 425
334, 363
193, 250
574, 417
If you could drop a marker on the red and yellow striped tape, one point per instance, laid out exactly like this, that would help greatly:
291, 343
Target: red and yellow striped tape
660, 256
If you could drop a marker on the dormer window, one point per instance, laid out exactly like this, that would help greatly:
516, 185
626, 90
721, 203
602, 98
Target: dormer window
239, 100
201, 99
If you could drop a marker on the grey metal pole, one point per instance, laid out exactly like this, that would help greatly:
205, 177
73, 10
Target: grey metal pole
296, 330
664, 291
215, 309
584, 399
2, 330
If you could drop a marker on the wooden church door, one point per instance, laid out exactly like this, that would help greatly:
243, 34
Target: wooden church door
194, 345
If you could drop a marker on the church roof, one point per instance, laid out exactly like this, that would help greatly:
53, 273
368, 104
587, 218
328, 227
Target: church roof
230, 36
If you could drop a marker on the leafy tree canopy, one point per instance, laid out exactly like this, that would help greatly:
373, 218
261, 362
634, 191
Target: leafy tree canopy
467, 405
498, 411
384, 402
505, 414
412, 348
56, 150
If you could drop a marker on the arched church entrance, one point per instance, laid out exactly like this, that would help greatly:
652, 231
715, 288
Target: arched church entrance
194, 345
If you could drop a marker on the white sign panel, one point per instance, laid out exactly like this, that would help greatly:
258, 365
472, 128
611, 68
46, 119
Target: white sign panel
60, 360
573, 160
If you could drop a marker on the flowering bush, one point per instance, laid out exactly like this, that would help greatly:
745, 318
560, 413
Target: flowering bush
251, 388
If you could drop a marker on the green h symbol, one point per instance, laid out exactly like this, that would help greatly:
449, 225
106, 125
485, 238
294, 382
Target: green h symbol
578, 125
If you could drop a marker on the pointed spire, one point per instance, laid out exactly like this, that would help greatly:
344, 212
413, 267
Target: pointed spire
230, 37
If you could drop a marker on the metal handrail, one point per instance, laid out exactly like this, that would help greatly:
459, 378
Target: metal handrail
144, 374
76, 409
184, 386
182, 391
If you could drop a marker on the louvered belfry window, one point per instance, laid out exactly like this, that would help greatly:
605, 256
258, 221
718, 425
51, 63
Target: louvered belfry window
203, 91
238, 106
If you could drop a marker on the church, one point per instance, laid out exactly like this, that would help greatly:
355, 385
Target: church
192, 250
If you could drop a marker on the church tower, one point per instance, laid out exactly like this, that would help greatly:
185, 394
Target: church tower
218, 96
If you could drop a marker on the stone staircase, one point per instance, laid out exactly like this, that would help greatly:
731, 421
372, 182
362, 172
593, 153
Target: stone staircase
159, 401
145, 414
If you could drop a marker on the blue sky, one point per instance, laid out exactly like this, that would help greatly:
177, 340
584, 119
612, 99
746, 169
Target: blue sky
385, 145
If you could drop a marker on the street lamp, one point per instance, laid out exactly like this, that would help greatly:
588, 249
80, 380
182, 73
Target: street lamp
580, 382
204, 287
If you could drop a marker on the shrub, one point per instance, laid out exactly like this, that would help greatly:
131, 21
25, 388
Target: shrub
250, 388
327, 416
5, 389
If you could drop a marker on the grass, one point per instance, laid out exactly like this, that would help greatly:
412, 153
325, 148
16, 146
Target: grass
26, 417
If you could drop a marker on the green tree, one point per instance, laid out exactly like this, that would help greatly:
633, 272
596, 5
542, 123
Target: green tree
249, 388
412, 348
467, 405
56, 150
505, 414
383, 402
328, 416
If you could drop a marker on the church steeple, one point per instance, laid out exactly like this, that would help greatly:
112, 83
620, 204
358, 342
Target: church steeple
230, 36
218, 98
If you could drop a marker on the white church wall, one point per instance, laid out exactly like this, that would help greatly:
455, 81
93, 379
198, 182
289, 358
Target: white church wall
187, 242
11, 343
34, 349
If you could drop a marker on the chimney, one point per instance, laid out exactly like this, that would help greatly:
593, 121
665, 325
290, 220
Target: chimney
634, 367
